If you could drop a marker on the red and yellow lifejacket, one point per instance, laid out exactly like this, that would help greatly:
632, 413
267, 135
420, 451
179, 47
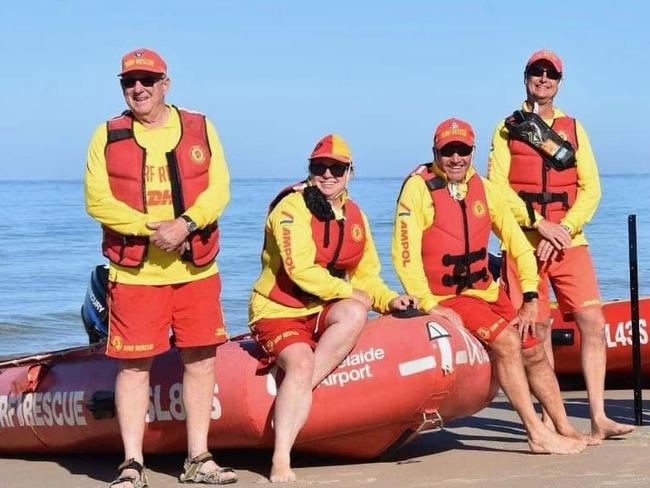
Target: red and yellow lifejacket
339, 248
188, 165
454, 247
544, 189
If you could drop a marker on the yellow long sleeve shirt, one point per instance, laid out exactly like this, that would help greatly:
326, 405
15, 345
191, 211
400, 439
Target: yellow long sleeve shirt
159, 267
308, 275
588, 194
410, 226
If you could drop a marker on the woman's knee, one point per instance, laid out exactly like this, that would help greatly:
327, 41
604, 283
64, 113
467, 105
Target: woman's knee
297, 361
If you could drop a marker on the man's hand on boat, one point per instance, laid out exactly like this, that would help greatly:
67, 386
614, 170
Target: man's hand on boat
525, 320
403, 302
449, 314
169, 235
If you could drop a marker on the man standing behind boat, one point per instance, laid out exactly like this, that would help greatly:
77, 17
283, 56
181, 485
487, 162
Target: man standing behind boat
320, 276
543, 161
444, 215
157, 181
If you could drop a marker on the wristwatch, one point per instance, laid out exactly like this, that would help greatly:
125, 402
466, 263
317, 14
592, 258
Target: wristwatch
191, 225
529, 296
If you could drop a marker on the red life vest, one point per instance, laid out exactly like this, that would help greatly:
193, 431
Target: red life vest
454, 247
188, 165
339, 248
543, 188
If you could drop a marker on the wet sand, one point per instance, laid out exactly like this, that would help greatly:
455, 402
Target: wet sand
486, 450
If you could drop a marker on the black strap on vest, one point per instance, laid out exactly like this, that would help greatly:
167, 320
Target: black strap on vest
542, 198
436, 183
116, 135
465, 281
460, 275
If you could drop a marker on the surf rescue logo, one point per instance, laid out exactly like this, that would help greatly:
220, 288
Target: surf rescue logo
197, 154
483, 333
357, 233
478, 208
117, 343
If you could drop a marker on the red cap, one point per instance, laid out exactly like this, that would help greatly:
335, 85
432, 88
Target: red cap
332, 146
549, 56
143, 60
453, 130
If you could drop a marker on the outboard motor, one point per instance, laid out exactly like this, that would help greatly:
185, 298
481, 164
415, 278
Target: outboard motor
94, 311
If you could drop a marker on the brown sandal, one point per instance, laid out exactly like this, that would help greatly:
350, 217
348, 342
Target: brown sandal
191, 472
139, 481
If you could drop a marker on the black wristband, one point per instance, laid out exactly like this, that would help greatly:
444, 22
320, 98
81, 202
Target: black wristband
529, 296
191, 225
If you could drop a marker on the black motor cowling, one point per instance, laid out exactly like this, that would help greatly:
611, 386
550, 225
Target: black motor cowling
94, 311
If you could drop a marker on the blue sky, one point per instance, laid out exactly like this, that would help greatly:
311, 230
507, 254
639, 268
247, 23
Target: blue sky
276, 76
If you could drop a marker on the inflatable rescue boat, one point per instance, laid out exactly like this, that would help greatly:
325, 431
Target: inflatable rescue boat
405, 376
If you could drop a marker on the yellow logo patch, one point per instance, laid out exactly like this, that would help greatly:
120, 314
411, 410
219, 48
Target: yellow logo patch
357, 233
197, 154
483, 333
478, 208
116, 342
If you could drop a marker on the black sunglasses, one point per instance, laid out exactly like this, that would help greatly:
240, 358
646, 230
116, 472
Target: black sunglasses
146, 81
449, 150
551, 73
336, 169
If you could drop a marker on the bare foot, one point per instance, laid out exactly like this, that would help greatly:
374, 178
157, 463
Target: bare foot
281, 471
586, 439
547, 442
606, 428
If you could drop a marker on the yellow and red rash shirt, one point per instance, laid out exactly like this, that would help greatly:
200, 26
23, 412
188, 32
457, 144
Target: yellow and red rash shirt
588, 194
159, 267
292, 218
415, 213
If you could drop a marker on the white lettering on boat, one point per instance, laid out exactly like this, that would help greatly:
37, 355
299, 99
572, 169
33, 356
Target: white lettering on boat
476, 353
355, 367
42, 409
165, 406
621, 335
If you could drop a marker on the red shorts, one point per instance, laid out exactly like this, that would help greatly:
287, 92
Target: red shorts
486, 320
276, 334
140, 317
572, 276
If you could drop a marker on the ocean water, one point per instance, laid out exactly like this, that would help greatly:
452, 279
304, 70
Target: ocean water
49, 246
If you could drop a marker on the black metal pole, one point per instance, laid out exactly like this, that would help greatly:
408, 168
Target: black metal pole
634, 314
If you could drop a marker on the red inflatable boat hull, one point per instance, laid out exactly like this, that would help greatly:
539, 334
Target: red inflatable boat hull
404, 377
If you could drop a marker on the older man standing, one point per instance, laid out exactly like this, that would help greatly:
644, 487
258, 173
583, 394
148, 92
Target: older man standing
157, 181
543, 161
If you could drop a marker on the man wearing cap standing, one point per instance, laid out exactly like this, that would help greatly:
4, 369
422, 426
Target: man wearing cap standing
320, 276
157, 181
543, 161
444, 215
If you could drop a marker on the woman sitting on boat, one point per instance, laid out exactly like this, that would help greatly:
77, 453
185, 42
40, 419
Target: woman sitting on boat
320, 276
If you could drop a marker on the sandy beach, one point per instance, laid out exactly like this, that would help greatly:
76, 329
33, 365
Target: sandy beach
487, 450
